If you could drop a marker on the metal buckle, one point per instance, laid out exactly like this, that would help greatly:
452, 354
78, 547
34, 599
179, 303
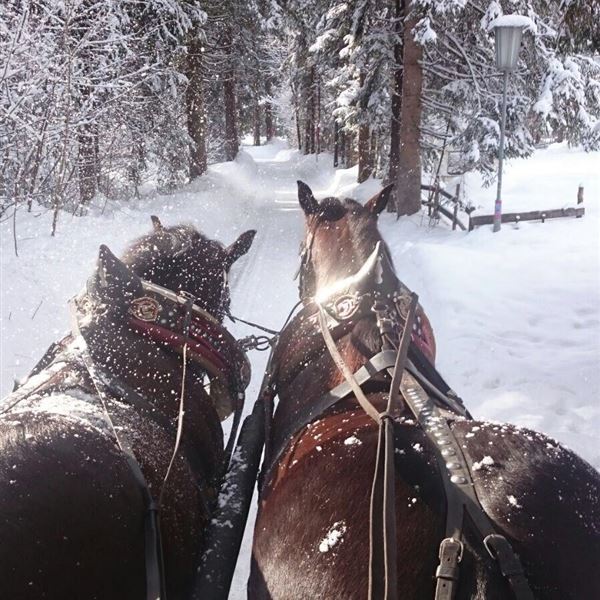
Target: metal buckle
488, 542
184, 296
501, 551
451, 540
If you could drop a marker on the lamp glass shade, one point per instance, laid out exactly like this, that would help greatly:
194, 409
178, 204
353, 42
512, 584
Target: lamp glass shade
508, 43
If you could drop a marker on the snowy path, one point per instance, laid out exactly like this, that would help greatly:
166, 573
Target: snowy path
516, 314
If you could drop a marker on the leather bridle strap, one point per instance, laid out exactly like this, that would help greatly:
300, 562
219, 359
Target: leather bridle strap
155, 588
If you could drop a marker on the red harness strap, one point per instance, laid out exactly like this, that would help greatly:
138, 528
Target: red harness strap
216, 362
422, 335
161, 315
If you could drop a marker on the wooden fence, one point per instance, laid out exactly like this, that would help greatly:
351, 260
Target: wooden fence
435, 208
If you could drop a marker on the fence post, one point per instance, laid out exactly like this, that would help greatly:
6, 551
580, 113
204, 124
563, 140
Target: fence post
579, 197
455, 212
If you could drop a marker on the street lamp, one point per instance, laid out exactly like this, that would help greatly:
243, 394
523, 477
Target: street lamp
508, 31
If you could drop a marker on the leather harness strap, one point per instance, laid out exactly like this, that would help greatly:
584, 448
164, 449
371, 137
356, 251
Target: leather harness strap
379, 363
152, 538
461, 499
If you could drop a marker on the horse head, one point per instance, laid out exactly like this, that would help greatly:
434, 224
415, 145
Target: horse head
340, 237
179, 259
133, 312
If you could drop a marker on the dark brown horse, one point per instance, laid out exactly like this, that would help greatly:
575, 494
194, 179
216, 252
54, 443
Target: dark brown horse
72, 514
312, 529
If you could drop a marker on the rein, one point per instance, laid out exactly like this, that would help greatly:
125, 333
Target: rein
382, 538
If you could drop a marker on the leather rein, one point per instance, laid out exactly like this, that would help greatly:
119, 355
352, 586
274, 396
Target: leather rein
434, 405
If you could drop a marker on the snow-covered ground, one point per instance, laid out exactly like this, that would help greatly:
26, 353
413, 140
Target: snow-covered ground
516, 314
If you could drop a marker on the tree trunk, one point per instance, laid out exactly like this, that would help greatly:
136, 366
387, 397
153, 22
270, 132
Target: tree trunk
396, 104
231, 133
194, 100
365, 167
298, 129
86, 166
343, 159
256, 123
336, 143
350, 152
408, 181
318, 120
309, 104
269, 127
374, 154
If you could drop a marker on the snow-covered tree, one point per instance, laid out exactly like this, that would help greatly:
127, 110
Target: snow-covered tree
90, 96
554, 91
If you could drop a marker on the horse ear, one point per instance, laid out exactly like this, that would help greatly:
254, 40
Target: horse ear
379, 201
113, 283
309, 204
239, 247
158, 226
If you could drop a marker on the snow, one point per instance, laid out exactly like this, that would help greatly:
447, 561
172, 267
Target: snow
486, 461
513, 501
334, 536
352, 441
516, 314
514, 21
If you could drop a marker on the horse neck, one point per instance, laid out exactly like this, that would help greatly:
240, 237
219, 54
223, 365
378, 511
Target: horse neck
143, 366
306, 370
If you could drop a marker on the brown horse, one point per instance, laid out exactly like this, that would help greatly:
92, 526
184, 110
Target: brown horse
312, 529
72, 511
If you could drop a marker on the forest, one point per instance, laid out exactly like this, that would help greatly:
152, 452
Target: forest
101, 99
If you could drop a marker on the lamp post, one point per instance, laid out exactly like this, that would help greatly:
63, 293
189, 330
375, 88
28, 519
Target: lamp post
508, 31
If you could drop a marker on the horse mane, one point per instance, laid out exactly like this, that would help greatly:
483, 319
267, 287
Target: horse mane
180, 250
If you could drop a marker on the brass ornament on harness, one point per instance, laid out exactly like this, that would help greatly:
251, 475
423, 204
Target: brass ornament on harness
346, 306
145, 309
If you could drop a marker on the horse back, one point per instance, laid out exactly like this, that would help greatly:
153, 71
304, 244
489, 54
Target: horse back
313, 520
544, 498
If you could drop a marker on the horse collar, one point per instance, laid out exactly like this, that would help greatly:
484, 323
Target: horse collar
173, 320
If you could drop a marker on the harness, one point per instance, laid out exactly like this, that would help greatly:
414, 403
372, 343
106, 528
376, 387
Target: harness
376, 289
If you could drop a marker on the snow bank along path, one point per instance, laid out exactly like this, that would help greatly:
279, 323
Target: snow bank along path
516, 314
